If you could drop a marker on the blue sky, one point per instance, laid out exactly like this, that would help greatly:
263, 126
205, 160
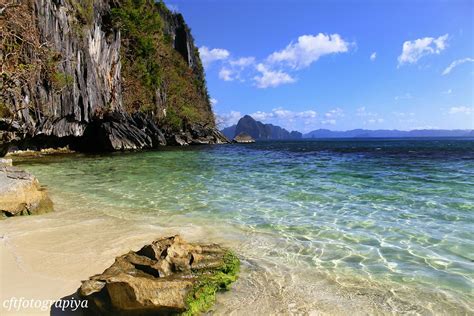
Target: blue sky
338, 65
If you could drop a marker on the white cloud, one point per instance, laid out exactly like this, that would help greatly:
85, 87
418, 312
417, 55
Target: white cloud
283, 114
329, 122
291, 120
261, 116
276, 69
226, 74
243, 62
233, 68
271, 78
457, 63
228, 119
308, 114
412, 51
308, 49
449, 91
286, 114
213, 101
210, 55
373, 56
461, 110
337, 112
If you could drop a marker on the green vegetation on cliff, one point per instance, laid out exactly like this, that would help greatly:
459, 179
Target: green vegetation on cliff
25, 58
156, 77
71, 66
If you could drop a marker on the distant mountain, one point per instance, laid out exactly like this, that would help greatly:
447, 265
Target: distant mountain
229, 132
382, 133
259, 131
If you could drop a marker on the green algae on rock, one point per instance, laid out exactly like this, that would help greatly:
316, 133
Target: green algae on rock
168, 276
203, 295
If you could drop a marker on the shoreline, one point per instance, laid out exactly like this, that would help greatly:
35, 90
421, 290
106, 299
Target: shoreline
41, 268
45, 257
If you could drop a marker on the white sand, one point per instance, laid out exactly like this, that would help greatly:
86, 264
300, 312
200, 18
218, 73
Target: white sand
46, 257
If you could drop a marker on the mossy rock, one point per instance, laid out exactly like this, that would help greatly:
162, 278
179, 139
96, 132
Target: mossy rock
166, 277
203, 295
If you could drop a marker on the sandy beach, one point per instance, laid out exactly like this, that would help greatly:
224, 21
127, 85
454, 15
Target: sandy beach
45, 258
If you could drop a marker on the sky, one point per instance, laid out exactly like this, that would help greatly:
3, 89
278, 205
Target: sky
337, 65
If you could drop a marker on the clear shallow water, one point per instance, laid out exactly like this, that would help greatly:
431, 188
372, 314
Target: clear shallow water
393, 220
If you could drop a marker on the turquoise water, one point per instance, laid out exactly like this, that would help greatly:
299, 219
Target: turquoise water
395, 215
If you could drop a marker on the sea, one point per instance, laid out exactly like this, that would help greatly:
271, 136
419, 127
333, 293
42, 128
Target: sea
334, 226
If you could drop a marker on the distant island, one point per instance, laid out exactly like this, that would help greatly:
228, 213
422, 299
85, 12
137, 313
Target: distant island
259, 131
383, 133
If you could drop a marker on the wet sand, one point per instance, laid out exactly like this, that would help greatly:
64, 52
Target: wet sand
45, 257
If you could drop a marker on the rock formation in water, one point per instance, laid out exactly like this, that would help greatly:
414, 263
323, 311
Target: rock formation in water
243, 138
259, 131
20, 192
168, 276
100, 75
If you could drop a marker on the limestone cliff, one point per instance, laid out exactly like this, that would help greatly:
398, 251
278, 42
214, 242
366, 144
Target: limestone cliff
100, 75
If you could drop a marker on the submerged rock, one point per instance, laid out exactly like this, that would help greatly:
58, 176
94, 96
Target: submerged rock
168, 276
21, 193
243, 138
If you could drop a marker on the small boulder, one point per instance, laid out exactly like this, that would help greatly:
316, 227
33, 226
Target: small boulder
243, 138
168, 276
21, 193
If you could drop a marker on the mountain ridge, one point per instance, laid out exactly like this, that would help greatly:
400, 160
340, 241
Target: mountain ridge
259, 131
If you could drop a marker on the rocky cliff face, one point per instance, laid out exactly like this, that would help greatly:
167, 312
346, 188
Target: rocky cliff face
67, 74
259, 131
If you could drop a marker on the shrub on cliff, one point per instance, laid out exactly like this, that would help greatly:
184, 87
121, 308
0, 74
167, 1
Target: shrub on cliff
156, 77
